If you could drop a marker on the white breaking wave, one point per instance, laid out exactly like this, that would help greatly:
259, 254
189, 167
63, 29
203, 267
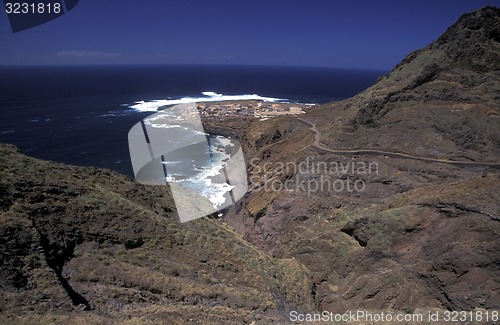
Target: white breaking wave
203, 180
209, 96
210, 93
225, 142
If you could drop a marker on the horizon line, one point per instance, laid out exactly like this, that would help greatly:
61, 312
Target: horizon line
191, 64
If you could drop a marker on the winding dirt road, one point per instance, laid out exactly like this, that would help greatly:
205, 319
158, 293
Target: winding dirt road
317, 144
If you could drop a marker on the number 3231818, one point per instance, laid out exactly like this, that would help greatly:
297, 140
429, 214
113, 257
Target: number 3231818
32, 8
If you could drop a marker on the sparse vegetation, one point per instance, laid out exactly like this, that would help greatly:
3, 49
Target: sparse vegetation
89, 246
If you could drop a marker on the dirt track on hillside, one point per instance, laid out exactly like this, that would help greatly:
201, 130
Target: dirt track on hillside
317, 144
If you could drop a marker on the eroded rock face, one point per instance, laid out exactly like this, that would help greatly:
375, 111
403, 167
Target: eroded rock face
89, 245
473, 40
421, 234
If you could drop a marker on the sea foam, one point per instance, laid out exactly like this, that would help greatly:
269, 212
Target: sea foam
208, 96
206, 180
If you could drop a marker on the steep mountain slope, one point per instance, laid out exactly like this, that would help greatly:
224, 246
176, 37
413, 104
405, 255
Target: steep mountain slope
92, 246
421, 233
440, 101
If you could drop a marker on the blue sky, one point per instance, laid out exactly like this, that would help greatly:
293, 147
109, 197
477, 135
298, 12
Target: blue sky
324, 33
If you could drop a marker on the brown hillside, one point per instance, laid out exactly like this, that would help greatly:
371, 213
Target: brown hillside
440, 101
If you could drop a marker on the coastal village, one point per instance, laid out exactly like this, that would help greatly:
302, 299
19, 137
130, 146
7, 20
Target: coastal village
251, 108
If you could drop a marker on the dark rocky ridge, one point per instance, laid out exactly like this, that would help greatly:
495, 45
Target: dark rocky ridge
444, 97
473, 41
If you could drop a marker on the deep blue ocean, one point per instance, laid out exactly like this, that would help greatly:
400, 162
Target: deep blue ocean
82, 114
